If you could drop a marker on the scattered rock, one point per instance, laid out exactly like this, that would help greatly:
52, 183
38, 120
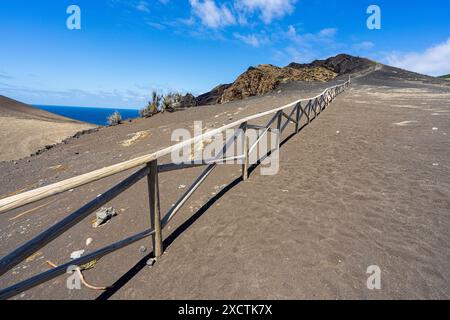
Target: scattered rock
76, 254
89, 241
151, 262
103, 216
182, 186
142, 249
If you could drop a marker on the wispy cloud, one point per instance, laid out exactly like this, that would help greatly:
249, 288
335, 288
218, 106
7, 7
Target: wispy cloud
365, 45
143, 6
254, 40
211, 15
139, 5
268, 10
5, 76
309, 39
433, 61
229, 13
304, 47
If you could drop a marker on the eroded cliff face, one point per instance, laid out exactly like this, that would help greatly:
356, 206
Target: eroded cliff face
265, 78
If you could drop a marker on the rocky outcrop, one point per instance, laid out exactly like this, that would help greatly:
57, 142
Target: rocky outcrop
265, 78
340, 64
213, 96
188, 101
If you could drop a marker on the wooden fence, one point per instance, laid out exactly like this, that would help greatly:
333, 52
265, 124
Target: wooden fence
307, 109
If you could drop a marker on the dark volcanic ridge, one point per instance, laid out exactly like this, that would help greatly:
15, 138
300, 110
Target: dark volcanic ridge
265, 78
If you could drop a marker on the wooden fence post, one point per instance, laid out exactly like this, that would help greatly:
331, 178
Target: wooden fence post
155, 212
315, 108
280, 121
309, 111
246, 152
279, 126
297, 118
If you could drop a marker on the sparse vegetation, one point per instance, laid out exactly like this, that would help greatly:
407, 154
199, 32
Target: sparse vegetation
115, 119
446, 77
170, 102
153, 106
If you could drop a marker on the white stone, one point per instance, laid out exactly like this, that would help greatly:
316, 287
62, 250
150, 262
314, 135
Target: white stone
76, 254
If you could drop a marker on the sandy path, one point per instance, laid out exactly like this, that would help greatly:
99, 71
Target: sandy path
374, 193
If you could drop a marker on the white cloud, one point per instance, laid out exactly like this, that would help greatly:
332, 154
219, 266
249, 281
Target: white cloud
365, 45
329, 32
211, 15
434, 61
304, 47
269, 10
253, 40
143, 6
309, 39
215, 15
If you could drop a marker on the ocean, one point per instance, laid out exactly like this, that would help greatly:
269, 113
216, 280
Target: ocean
96, 116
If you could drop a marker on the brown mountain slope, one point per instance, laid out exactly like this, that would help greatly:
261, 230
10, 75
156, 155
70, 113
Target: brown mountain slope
25, 129
12, 108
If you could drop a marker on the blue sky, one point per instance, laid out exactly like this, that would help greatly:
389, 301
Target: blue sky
126, 48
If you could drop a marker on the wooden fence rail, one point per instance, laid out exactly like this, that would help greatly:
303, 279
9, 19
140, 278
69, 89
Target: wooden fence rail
150, 170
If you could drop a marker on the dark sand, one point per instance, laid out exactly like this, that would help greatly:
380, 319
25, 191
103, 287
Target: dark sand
376, 193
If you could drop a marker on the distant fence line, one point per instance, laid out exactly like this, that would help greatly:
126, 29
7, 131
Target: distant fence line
304, 109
